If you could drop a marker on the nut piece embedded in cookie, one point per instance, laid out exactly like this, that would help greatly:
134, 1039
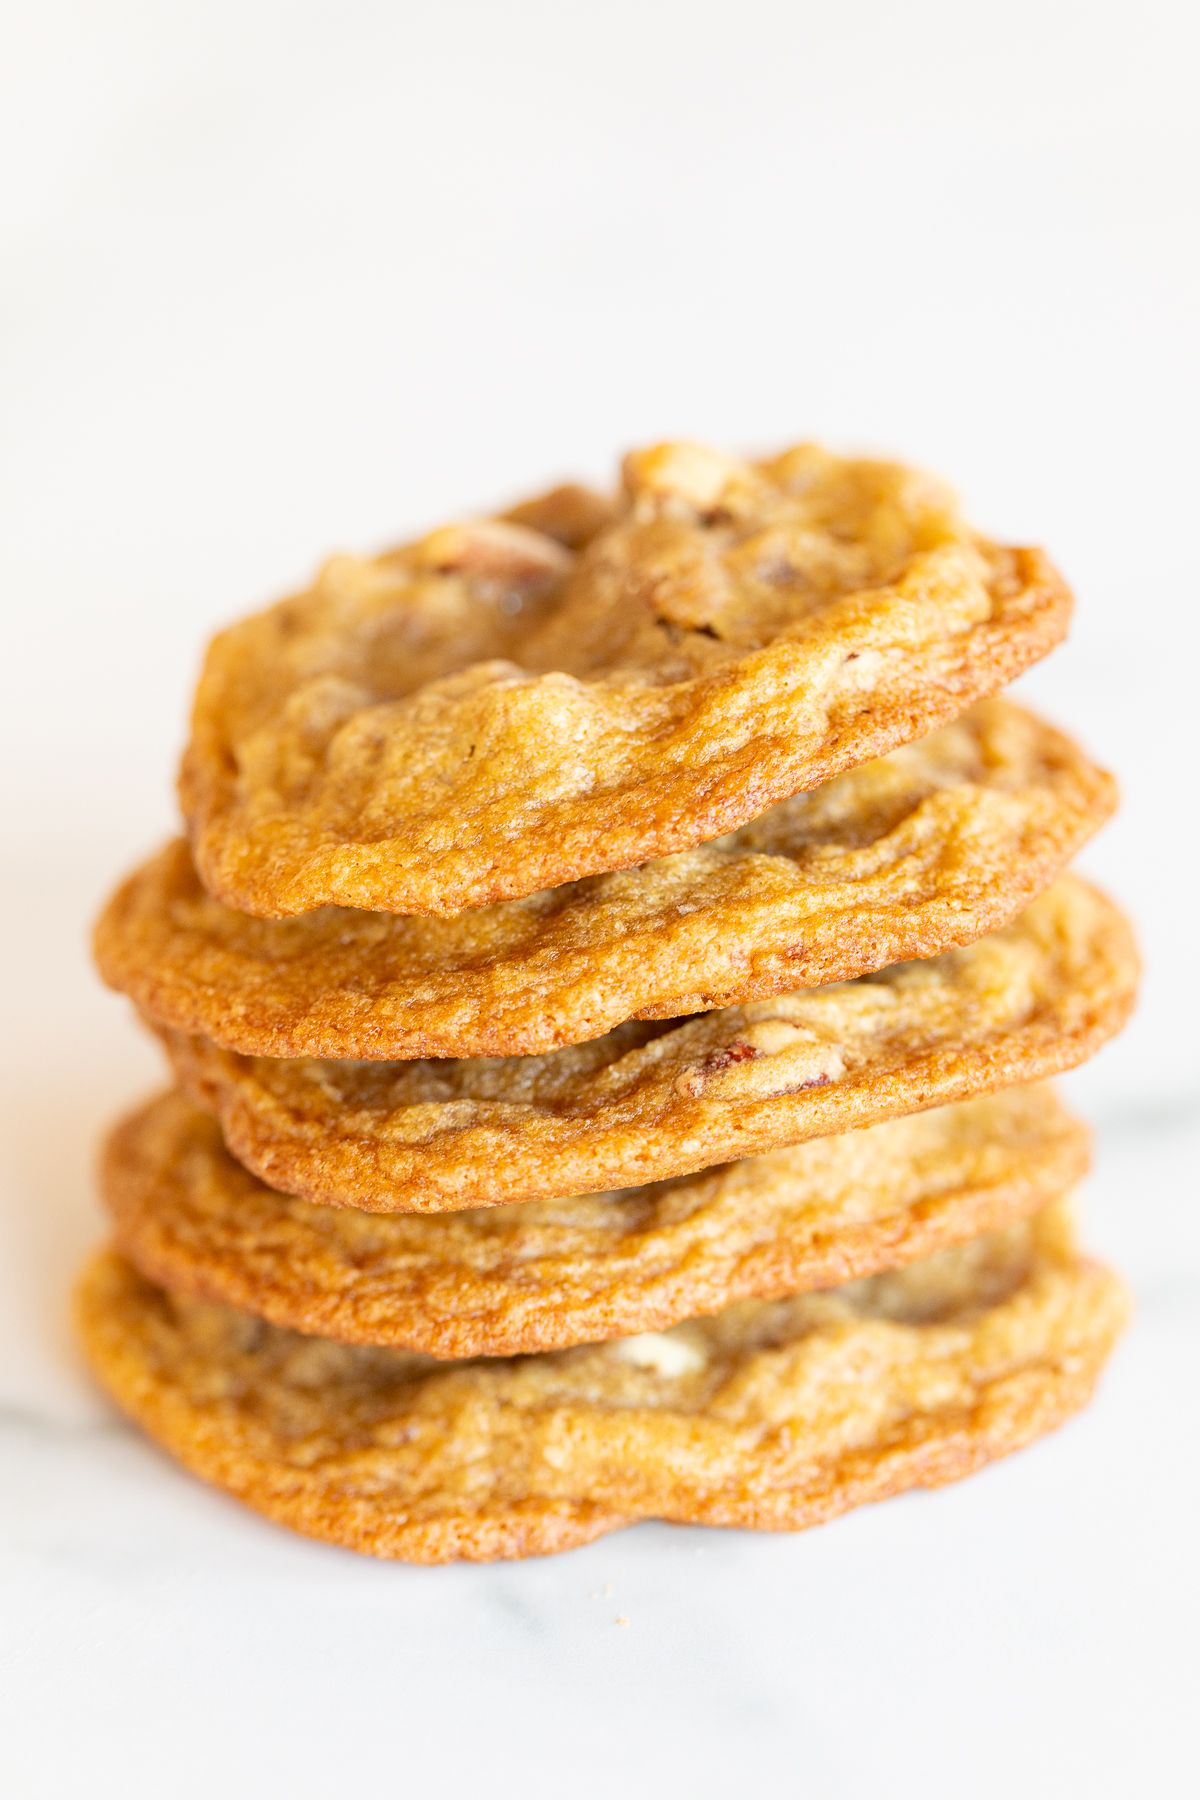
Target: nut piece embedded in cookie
698, 478
769, 1058
493, 547
672, 1354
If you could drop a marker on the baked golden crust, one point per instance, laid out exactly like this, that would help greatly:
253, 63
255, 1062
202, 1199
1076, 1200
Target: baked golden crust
651, 1101
900, 858
488, 713
560, 1272
773, 1415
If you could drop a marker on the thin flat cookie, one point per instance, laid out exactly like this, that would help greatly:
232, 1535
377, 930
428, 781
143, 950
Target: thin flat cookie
651, 1101
775, 1414
903, 857
488, 712
515, 1279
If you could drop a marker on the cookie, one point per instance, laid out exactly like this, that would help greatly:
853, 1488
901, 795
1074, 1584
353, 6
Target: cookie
488, 713
774, 1414
904, 857
649, 1101
560, 1272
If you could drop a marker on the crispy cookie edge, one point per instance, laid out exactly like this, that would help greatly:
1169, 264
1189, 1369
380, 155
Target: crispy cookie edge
1010, 1413
764, 1271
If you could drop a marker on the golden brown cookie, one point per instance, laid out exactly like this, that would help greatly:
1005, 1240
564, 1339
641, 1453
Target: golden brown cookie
559, 1272
651, 1101
774, 1414
903, 857
488, 712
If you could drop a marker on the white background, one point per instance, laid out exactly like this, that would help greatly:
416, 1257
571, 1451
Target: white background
286, 278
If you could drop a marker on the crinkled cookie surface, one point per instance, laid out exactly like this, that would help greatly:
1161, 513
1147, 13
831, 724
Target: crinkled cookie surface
651, 1101
772, 1415
560, 1272
902, 857
493, 711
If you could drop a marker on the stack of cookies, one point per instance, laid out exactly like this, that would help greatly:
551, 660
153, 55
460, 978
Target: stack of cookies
609, 981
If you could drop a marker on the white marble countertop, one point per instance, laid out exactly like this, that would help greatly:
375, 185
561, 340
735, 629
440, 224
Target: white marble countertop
1032, 1630
288, 279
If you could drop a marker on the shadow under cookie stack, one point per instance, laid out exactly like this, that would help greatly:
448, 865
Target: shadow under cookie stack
610, 980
